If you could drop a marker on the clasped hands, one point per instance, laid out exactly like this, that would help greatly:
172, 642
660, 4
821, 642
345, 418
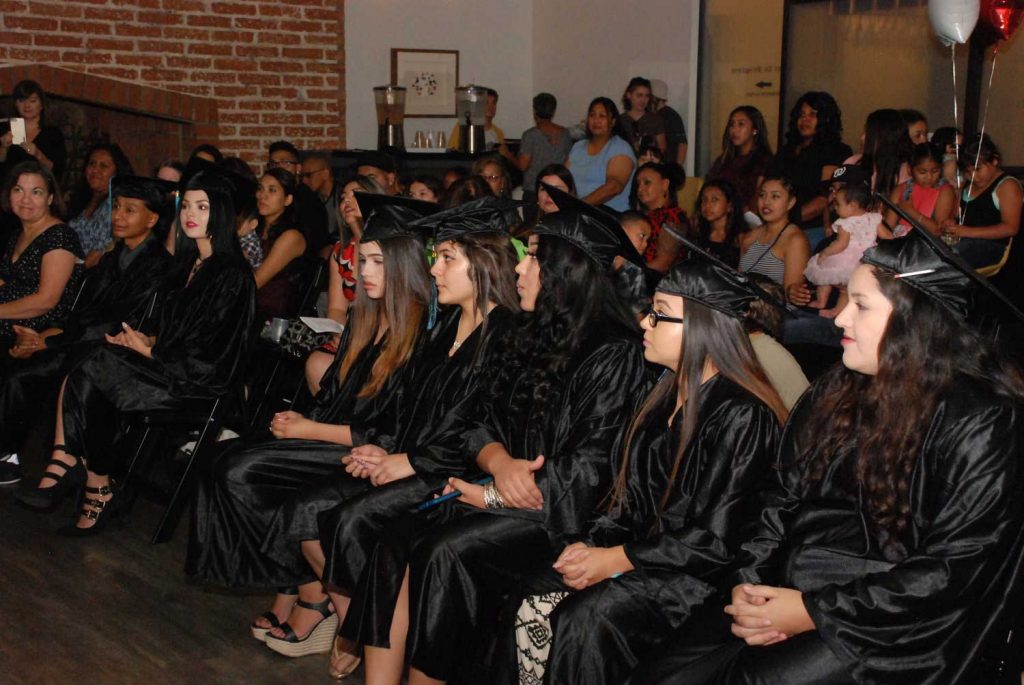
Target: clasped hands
27, 343
373, 462
514, 481
582, 566
764, 615
133, 340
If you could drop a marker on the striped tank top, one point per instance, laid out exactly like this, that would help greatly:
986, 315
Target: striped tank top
759, 259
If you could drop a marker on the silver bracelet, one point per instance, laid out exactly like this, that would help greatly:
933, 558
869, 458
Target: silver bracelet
492, 498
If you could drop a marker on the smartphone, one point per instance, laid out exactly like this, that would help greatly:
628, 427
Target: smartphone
18, 136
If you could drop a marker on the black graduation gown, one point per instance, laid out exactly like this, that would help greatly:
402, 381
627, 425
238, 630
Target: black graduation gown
459, 570
679, 559
203, 336
244, 489
449, 390
110, 295
411, 420
922, 617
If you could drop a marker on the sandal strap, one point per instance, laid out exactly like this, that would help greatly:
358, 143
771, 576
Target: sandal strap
290, 590
91, 514
289, 632
323, 608
57, 462
96, 504
62, 448
102, 490
271, 618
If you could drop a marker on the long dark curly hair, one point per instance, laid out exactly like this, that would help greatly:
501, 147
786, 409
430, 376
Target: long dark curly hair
881, 422
577, 298
830, 119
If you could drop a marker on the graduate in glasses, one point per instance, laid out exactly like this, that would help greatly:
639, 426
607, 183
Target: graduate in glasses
696, 456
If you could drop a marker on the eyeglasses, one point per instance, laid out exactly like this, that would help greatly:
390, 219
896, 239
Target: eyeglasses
281, 162
653, 317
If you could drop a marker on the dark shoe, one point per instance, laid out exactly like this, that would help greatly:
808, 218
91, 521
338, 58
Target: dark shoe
316, 641
102, 512
259, 632
68, 481
10, 471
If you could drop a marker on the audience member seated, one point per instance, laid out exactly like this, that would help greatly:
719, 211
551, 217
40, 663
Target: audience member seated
379, 167
427, 188
40, 267
639, 125
90, 201
654, 191
169, 170
307, 207
453, 175
777, 248
917, 125
120, 288
925, 196
991, 206
194, 353
764, 325
492, 169
633, 278
813, 150
545, 144
556, 175
720, 222
316, 174
949, 139
280, 276
206, 152
856, 574
885, 154
746, 154
602, 164
675, 130
44, 144
471, 188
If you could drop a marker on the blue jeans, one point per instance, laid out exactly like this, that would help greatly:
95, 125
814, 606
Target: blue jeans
807, 327
979, 252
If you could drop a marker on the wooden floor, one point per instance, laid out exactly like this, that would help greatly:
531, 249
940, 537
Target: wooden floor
115, 609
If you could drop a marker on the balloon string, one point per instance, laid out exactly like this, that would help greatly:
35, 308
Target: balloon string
984, 120
956, 119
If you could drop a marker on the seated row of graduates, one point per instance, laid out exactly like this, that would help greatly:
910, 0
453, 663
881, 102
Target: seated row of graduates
637, 488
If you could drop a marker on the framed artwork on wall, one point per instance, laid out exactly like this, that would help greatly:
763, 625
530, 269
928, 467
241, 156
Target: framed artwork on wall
430, 77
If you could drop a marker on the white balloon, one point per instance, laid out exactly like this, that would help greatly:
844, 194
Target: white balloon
953, 20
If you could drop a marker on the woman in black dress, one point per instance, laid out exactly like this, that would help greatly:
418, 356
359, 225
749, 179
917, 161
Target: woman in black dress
683, 497
475, 278
891, 547
43, 143
41, 264
193, 355
361, 400
283, 241
546, 432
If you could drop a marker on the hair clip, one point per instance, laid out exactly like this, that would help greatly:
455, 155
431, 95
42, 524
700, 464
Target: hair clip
915, 273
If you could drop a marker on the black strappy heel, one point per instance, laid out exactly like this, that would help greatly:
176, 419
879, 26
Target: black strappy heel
68, 481
102, 512
317, 641
259, 632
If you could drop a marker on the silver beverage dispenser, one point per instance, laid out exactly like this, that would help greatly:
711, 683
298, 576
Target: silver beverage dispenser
390, 102
471, 110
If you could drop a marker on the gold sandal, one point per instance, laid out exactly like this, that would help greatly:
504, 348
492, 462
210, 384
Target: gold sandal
345, 658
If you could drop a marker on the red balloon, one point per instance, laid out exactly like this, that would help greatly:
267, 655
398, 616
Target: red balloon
1003, 16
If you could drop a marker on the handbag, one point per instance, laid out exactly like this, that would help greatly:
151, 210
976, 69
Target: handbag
299, 339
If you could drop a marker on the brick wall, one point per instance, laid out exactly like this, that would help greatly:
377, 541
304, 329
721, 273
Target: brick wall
275, 68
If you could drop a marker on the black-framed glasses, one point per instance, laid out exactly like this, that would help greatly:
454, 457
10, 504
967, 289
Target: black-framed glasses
653, 317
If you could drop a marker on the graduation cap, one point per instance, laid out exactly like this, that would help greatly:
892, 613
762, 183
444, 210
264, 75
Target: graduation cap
706, 279
593, 230
484, 215
242, 188
392, 216
925, 263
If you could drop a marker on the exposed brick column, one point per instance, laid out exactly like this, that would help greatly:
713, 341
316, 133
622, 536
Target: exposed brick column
274, 68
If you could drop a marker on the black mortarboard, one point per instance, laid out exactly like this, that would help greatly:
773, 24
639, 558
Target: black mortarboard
243, 189
155, 192
483, 215
592, 229
925, 263
706, 279
392, 216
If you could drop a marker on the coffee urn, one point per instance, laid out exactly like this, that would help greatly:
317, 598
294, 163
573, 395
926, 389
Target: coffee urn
471, 110
390, 101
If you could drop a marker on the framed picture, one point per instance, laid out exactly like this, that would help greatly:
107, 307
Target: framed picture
430, 77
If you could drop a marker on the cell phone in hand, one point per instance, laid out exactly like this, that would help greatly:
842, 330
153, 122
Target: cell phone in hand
18, 136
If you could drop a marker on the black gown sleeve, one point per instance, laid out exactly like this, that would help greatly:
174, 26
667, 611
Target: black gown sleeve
920, 609
204, 337
599, 403
51, 141
738, 450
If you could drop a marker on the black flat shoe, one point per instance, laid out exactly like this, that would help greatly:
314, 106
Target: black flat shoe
102, 512
67, 482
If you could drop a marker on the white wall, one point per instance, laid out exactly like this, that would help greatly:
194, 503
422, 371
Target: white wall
575, 49
586, 48
494, 39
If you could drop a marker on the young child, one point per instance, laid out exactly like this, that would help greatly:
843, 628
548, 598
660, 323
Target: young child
856, 230
720, 220
631, 278
926, 196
